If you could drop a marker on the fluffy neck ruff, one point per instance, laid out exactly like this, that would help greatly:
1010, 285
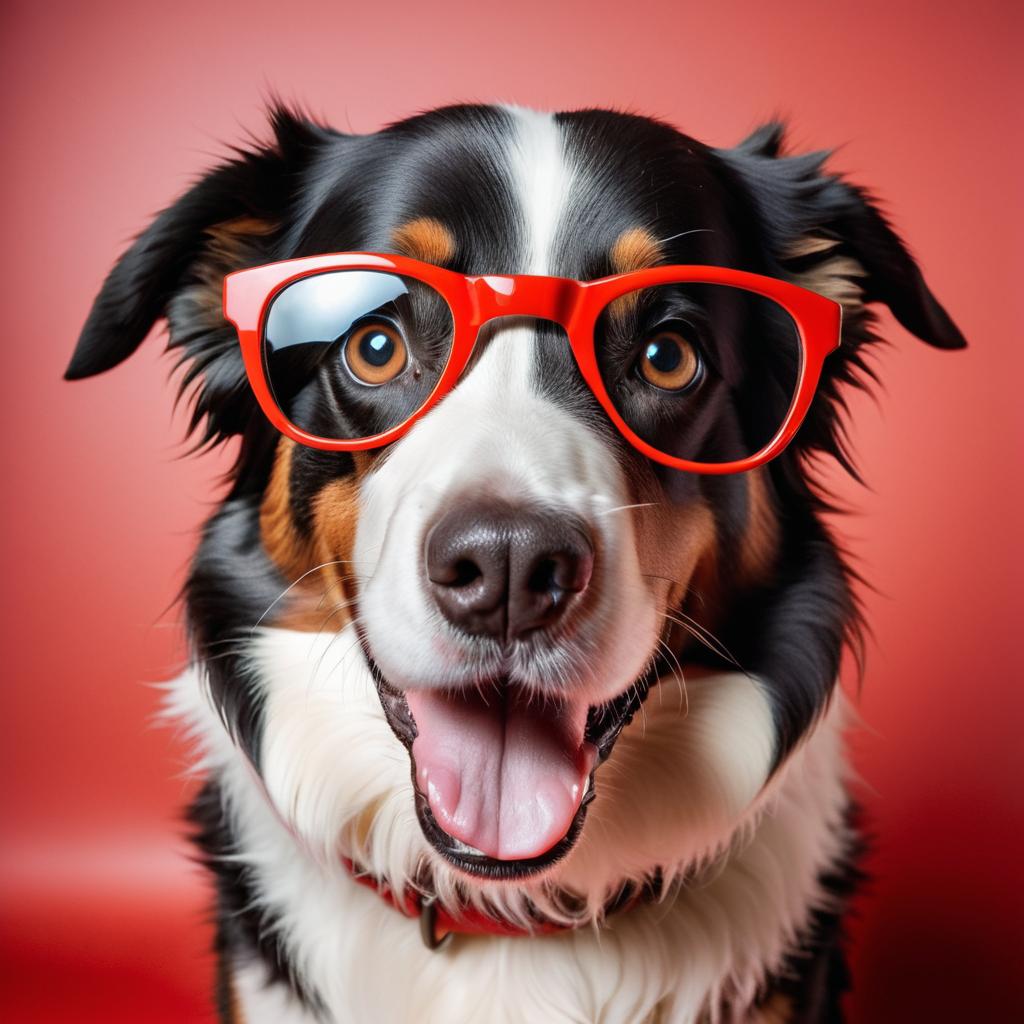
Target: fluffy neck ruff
684, 791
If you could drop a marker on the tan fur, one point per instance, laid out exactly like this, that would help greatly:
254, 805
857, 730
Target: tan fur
760, 543
233, 1009
837, 276
679, 553
318, 600
335, 515
778, 1010
698, 590
230, 247
425, 238
688, 558
287, 550
700, 605
230, 238
635, 249
294, 556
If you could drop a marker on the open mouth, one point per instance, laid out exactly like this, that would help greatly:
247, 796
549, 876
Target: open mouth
503, 782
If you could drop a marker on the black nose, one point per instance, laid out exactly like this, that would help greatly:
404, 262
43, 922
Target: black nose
503, 571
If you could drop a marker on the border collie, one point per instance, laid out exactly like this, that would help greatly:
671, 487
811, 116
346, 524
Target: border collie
504, 716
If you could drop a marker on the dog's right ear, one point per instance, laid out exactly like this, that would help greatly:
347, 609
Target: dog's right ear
252, 189
237, 206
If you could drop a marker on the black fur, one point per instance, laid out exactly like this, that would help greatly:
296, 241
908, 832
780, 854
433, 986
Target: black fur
243, 929
230, 586
816, 975
313, 190
747, 207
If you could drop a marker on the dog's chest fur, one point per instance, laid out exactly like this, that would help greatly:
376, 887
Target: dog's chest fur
709, 951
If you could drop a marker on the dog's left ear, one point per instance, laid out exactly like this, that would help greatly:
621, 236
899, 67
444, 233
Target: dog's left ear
828, 234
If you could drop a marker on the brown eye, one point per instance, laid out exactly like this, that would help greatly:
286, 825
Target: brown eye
669, 361
375, 352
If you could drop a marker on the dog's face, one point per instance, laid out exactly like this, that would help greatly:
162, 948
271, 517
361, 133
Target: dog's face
514, 574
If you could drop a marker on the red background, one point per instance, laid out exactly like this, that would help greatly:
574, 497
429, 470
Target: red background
110, 108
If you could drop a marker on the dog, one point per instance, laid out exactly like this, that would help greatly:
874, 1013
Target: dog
504, 715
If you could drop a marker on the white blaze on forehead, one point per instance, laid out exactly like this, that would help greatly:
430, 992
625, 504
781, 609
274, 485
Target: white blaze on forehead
498, 434
542, 178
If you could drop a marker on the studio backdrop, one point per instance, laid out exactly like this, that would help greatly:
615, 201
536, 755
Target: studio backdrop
110, 109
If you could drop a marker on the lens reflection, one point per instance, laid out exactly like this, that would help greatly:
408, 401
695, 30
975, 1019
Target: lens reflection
318, 310
307, 331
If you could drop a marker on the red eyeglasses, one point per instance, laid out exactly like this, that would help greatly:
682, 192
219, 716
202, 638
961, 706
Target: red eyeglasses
345, 352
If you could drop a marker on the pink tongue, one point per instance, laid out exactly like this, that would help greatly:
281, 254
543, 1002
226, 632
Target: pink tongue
503, 776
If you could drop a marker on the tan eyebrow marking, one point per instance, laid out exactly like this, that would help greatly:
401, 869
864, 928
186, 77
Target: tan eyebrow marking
634, 249
424, 238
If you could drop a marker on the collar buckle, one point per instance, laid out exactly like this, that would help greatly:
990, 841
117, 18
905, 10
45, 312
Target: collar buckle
428, 926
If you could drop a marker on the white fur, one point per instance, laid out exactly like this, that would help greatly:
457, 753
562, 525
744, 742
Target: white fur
263, 1003
683, 789
496, 434
542, 178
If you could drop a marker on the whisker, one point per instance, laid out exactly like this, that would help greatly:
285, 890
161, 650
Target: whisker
342, 606
705, 636
327, 650
224, 655
678, 675
623, 508
343, 656
348, 577
687, 591
291, 586
683, 234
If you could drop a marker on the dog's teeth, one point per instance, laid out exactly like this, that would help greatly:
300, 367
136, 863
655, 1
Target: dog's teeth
464, 848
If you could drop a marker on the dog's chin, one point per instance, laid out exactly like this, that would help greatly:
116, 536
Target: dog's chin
601, 726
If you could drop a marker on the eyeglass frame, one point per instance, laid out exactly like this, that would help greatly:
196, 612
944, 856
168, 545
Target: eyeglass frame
575, 305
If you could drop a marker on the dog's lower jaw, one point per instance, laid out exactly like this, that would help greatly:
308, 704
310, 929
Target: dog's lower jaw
716, 940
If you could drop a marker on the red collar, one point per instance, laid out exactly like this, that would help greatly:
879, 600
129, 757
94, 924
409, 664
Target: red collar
438, 924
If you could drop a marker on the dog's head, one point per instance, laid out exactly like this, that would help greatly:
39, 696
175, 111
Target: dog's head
515, 575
